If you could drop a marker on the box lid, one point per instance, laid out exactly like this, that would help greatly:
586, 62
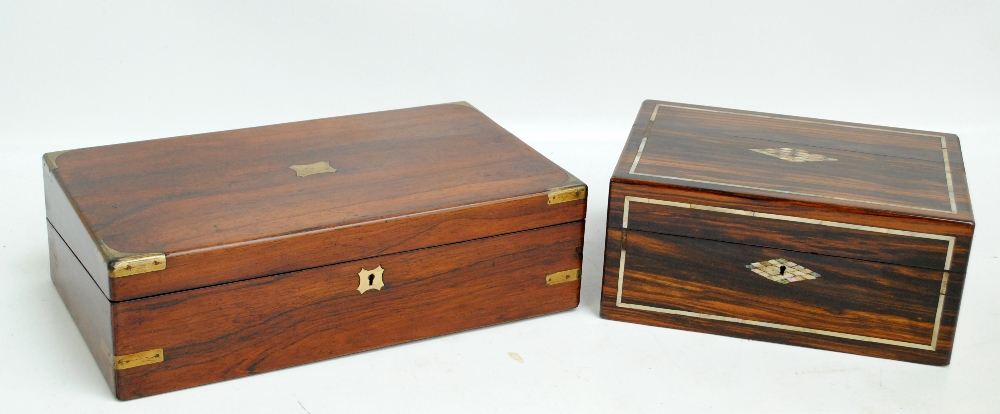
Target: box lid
880, 178
164, 215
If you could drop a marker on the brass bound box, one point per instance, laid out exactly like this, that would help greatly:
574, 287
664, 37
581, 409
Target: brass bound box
801, 231
197, 259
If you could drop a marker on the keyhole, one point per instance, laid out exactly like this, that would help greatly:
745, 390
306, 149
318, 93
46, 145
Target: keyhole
782, 270
371, 278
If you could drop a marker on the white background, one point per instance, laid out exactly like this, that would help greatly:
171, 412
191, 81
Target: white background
568, 78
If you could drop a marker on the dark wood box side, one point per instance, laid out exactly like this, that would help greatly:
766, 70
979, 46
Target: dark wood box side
63, 216
233, 330
86, 304
792, 235
616, 239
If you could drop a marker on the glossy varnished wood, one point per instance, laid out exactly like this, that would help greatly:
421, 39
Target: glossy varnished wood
879, 169
896, 303
237, 329
877, 223
226, 206
86, 304
855, 297
810, 238
263, 260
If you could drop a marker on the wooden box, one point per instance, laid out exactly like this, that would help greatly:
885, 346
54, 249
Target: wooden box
832, 235
195, 259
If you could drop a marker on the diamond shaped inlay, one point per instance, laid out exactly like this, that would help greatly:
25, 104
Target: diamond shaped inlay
792, 154
782, 271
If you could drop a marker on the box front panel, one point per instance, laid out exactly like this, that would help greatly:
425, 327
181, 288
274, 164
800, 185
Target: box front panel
781, 289
932, 251
228, 331
781, 295
789, 225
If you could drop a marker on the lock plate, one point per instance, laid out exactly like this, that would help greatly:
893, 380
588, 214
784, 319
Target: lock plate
370, 279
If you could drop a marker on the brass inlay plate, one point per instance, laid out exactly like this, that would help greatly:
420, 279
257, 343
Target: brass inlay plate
792, 154
370, 279
562, 277
314, 168
127, 264
782, 271
930, 346
138, 359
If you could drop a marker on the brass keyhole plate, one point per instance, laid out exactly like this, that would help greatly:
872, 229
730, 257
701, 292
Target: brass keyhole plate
370, 279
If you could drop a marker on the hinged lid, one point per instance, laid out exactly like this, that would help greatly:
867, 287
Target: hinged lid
164, 215
851, 180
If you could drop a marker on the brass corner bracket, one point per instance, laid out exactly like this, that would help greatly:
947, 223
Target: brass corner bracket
571, 190
50, 159
562, 277
138, 359
128, 264
463, 103
563, 194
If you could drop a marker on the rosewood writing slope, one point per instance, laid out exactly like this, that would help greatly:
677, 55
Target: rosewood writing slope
196, 259
801, 231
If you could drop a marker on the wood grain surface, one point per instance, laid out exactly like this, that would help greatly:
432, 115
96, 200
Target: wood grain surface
875, 219
738, 227
855, 297
878, 169
808, 238
237, 329
225, 206
895, 303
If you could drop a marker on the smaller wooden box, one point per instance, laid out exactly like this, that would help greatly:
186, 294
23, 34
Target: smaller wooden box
196, 259
800, 231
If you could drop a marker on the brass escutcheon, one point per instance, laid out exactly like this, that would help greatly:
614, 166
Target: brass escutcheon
370, 279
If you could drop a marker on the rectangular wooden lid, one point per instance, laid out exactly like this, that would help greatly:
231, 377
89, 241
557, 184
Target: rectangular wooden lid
245, 203
809, 170
870, 167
